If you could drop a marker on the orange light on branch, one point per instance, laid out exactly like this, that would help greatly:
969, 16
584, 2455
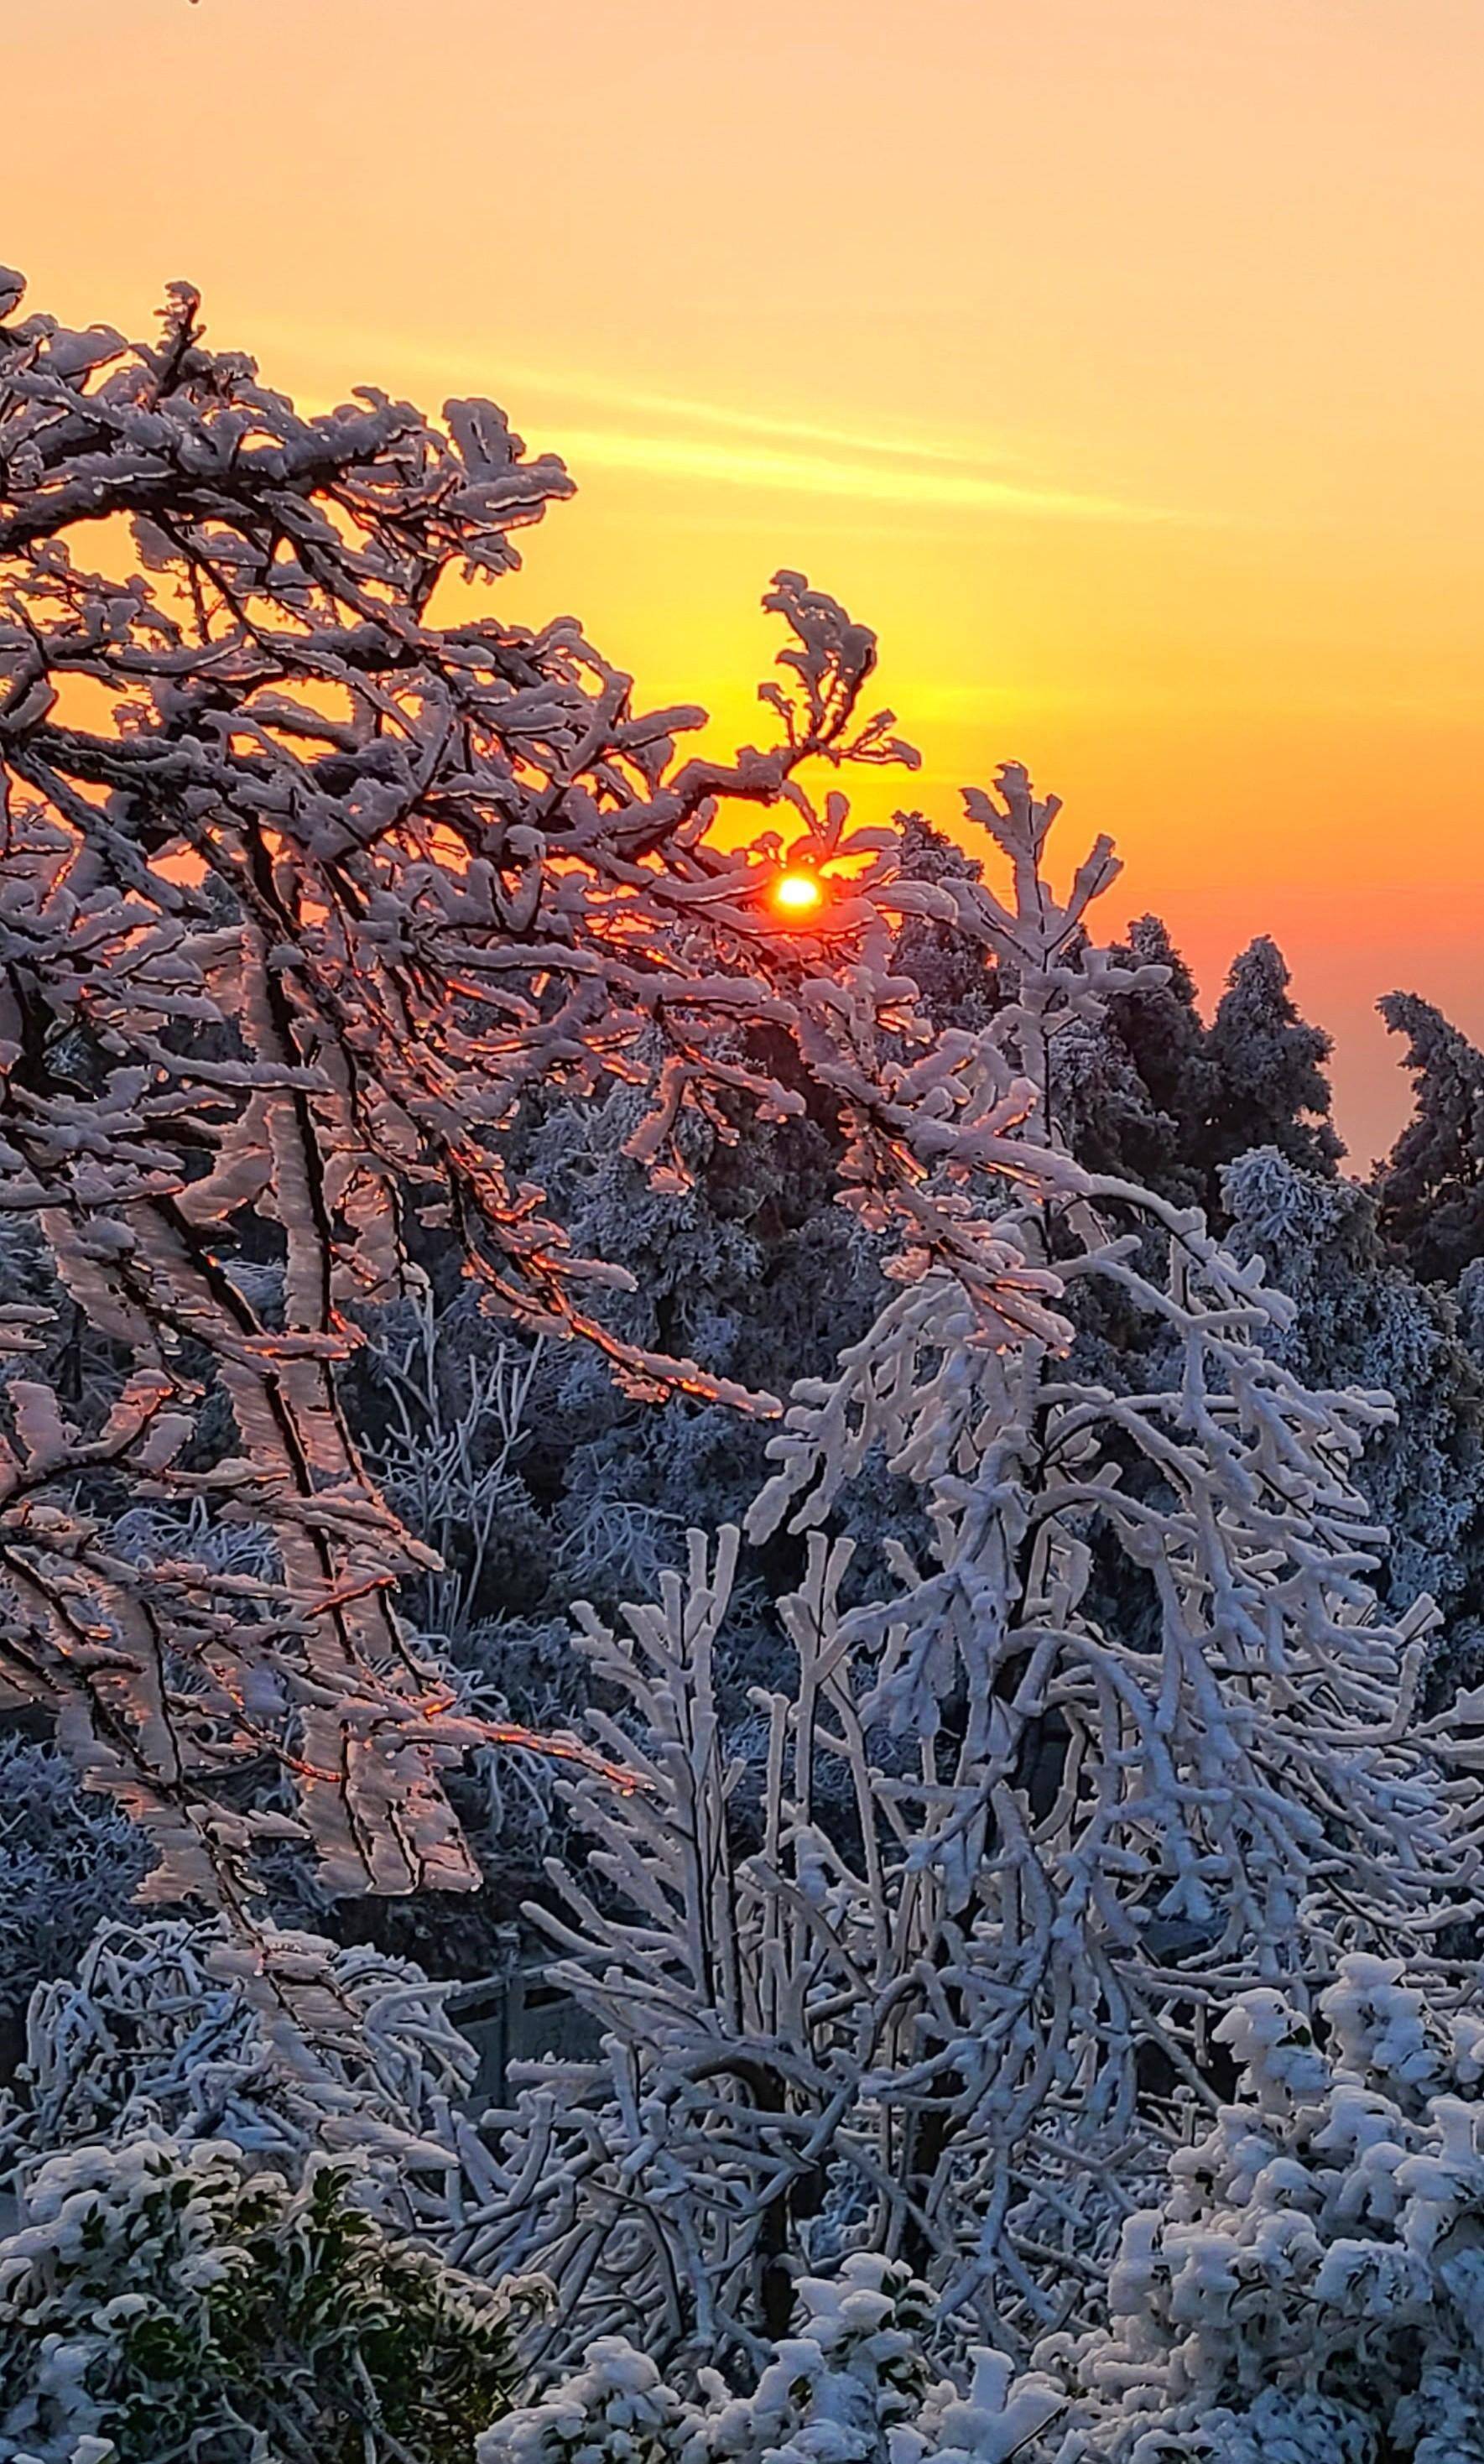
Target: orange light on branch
797, 894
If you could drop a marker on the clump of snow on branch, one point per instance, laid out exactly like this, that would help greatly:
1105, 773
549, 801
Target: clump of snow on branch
851, 2378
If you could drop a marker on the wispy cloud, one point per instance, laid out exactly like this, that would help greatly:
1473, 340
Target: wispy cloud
766, 452
898, 481
689, 409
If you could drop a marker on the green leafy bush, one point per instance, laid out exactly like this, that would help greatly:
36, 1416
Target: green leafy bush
162, 2303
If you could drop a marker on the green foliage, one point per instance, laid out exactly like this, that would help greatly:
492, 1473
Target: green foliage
163, 2304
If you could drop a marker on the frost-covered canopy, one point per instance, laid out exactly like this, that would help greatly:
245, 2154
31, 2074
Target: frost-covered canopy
1122, 1731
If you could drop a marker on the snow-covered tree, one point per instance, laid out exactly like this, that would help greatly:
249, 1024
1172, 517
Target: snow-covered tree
1145, 1090
1159, 1025
67, 1860
1430, 1192
1269, 1087
155, 2034
1306, 2290
308, 879
1127, 1734
955, 975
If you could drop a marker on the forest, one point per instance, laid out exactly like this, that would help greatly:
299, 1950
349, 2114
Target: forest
741, 1591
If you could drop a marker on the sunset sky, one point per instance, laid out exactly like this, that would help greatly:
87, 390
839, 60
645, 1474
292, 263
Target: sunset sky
1120, 361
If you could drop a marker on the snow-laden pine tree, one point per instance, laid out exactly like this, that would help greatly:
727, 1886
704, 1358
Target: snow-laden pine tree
1267, 1067
1430, 1191
308, 878
930, 1971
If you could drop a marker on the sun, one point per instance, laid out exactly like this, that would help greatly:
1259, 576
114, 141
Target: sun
796, 893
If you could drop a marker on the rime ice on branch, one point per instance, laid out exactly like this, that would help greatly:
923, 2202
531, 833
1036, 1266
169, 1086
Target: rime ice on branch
304, 886
1129, 1737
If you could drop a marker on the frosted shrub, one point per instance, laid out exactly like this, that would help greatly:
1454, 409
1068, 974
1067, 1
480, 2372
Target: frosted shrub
851, 2384
1311, 2289
452, 1410
161, 2302
156, 2034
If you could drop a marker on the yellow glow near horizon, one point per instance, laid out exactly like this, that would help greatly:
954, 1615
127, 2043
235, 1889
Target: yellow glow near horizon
1121, 363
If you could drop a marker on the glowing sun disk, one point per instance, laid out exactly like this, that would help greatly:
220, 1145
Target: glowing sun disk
796, 893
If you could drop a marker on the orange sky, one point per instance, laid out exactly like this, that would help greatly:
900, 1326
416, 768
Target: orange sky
1120, 361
